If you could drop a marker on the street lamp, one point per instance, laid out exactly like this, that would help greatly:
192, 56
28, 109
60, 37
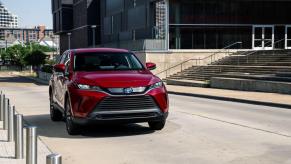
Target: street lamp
93, 35
69, 40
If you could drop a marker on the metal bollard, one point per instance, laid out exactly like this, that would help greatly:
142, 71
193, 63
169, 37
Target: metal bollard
6, 109
11, 113
19, 136
54, 159
2, 108
31, 145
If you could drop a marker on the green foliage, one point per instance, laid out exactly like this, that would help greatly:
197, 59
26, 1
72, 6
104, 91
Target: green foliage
36, 46
29, 54
35, 58
47, 68
16, 53
3, 54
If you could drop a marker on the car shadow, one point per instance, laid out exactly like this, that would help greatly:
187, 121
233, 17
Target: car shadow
48, 128
18, 79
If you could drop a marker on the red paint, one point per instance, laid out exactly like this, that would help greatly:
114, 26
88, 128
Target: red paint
84, 101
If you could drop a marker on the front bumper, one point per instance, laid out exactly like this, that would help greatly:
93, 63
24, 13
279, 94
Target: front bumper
122, 117
91, 105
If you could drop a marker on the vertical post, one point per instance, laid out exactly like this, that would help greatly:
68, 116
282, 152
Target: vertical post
19, 136
93, 35
54, 159
11, 112
6, 44
69, 40
6, 109
167, 25
31, 145
2, 108
1, 105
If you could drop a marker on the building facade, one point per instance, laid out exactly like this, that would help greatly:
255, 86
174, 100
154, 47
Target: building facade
173, 24
12, 36
7, 19
76, 22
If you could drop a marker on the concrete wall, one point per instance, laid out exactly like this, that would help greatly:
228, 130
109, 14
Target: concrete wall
251, 85
165, 60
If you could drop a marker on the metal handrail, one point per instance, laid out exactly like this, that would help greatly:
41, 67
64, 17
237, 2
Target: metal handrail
198, 60
252, 52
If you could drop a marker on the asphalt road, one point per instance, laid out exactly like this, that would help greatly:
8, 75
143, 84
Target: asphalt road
198, 131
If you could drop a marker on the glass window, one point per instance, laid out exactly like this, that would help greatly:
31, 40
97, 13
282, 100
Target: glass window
229, 12
106, 61
207, 37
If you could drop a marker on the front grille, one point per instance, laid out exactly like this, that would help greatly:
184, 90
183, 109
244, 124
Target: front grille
126, 103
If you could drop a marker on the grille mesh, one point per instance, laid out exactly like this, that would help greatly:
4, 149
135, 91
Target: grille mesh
126, 103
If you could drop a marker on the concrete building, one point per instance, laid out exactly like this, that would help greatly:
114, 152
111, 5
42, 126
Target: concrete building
25, 35
172, 24
76, 21
7, 19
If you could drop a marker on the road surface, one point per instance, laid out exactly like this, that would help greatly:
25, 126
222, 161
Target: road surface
198, 131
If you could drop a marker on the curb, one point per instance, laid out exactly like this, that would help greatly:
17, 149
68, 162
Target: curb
254, 102
37, 80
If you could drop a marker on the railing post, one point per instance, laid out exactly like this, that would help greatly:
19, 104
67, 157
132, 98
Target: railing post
54, 159
6, 109
2, 108
31, 145
19, 153
1, 105
11, 113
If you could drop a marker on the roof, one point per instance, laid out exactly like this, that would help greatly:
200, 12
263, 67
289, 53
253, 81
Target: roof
112, 50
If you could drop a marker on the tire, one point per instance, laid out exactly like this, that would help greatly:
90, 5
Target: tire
55, 114
157, 125
71, 126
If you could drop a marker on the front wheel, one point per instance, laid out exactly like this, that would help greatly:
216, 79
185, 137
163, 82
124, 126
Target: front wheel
72, 128
55, 114
157, 125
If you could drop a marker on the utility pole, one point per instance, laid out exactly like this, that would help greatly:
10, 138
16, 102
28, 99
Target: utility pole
69, 40
94, 35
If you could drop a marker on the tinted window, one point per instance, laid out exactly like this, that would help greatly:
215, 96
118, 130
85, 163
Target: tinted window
106, 61
62, 58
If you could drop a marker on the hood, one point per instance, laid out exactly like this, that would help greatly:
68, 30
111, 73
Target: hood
116, 79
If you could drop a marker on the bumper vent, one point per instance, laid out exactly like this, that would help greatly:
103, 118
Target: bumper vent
126, 103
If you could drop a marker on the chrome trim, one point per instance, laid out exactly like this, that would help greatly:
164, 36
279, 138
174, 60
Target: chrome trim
123, 95
121, 90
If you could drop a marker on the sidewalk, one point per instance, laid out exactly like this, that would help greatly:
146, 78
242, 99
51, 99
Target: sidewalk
259, 98
7, 150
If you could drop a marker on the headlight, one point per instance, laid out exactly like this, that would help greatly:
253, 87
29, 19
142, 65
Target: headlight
88, 87
156, 85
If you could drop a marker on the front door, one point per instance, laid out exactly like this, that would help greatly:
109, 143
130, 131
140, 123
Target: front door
263, 37
288, 37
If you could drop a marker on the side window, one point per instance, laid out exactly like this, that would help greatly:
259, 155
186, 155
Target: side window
64, 57
67, 62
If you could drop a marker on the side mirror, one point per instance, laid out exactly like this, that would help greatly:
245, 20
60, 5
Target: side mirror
151, 66
59, 68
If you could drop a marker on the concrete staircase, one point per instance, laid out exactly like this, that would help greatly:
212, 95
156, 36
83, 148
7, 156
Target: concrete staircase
241, 63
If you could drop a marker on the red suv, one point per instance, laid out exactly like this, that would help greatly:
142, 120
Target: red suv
102, 85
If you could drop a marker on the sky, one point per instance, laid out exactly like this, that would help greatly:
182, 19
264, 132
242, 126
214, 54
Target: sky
31, 12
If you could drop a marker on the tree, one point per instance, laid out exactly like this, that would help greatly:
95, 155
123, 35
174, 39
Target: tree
35, 58
16, 54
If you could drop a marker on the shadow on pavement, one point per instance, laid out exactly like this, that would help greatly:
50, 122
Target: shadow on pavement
18, 79
48, 128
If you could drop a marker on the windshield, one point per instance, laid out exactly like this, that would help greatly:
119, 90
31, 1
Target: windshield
97, 61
